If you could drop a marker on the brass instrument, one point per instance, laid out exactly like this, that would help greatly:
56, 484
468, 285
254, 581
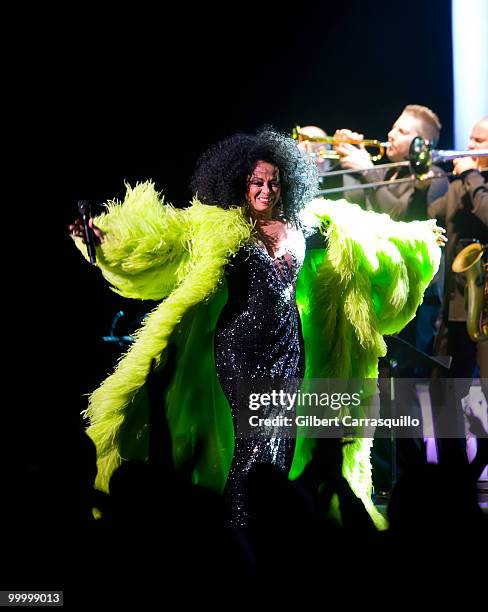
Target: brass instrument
470, 261
422, 156
420, 159
327, 152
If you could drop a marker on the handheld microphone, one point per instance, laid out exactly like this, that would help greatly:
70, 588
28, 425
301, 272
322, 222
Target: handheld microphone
84, 210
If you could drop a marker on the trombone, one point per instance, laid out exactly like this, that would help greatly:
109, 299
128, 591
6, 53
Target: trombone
420, 159
326, 152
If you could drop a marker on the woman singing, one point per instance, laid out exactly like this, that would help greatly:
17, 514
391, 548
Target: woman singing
243, 299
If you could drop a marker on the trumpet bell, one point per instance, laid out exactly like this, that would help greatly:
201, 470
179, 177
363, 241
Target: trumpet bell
310, 142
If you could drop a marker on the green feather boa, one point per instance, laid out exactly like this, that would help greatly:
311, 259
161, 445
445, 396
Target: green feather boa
370, 283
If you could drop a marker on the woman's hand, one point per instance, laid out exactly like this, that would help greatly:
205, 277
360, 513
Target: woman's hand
76, 230
440, 236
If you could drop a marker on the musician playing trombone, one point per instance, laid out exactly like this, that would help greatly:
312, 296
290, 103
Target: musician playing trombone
402, 201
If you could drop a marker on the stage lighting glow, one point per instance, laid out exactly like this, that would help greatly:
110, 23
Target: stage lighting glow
470, 66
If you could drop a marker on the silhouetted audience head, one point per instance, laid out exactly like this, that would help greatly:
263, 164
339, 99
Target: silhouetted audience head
434, 501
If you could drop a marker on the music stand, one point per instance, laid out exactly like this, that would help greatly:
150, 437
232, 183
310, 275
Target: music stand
402, 354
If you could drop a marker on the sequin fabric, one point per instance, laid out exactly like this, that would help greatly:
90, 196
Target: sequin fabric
258, 335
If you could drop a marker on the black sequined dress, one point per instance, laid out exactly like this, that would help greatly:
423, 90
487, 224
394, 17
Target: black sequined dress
259, 335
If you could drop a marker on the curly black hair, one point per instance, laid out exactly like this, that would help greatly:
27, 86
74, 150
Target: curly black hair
221, 174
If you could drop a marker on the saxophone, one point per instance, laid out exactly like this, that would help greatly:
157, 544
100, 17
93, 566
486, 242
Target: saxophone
471, 262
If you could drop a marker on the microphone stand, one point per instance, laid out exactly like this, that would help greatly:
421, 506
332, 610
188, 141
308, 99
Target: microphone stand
401, 354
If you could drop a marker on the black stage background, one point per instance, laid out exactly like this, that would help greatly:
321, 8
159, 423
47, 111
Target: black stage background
138, 96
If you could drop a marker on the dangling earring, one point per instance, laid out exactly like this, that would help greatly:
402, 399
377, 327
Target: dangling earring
277, 211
